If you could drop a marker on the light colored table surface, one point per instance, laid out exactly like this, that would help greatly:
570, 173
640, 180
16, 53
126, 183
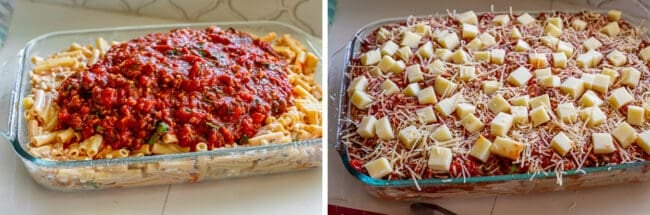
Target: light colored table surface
344, 190
290, 193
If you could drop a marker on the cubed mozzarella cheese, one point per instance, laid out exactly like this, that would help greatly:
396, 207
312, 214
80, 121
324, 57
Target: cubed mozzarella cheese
565, 48
427, 96
383, 129
588, 79
497, 56
425, 51
386, 63
612, 29
389, 87
507, 148
537, 60
593, 115
541, 100
409, 136
614, 15
635, 115
413, 73
520, 101
579, 25
361, 99
557, 21
573, 87
366, 128
561, 143
590, 99
643, 140
405, 53
591, 44
443, 54
620, 97
630, 76
383, 35
463, 109
440, 159
501, 124
526, 19
601, 83
410, 39
375, 71
490, 87
358, 84
371, 57
474, 45
442, 133
603, 143
559, 60
616, 58
521, 46
379, 168
501, 20
422, 29
449, 41
436, 68
552, 30
412, 89
467, 73
471, 123
487, 40
589, 59
397, 67
613, 74
498, 104
469, 31
448, 105
567, 112
515, 34
444, 87
389, 48
519, 77
481, 149
539, 116
426, 115
550, 41
624, 134
645, 54
460, 57
468, 17
482, 56
550, 82
519, 114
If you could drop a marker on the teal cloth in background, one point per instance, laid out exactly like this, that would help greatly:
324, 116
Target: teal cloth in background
331, 9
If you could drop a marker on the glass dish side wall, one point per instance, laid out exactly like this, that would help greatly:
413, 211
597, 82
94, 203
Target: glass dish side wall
161, 169
483, 185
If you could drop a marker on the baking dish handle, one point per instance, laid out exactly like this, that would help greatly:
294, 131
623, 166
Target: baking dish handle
337, 67
10, 79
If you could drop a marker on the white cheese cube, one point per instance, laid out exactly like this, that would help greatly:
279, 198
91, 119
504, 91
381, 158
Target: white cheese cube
397, 67
371, 57
427, 96
550, 82
386, 63
468, 17
449, 41
383, 129
498, 104
444, 87
410, 39
644, 141
361, 99
501, 124
358, 84
413, 73
471, 123
635, 115
389, 87
585, 60
426, 115
448, 105
519, 77
412, 89
567, 112
519, 114
467, 73
561, 144
474, 45
537, 60
565, 48
440, 159
557, 21
591, 44
366, 128
614, 15
541, 100
515, 34
520, 101
469, 31
507, 148
588, 80
497, 56
408, 136
590, 99
443, 54
442, 133
481, 149
620, 97
593, 115
375, 71
482, 56
539, 116
579, 25
630, 76
490, 87
645, 54
425, 51
383, 35
521, 46
603, 143
559, 60
616, 58
624, 134
573, 87
405, 53
389, 48
552, 30
487, 40
550, 41
378, 168
613, 74
464, 109
460, 57
437, 67
601, 83
501, 20
422, 29
526, 19
611, 29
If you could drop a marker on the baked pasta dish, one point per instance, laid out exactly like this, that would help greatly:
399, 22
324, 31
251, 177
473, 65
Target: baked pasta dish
182, 91
467, 95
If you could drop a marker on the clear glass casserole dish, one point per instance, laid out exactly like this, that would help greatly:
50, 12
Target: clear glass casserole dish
159, 169
408, 189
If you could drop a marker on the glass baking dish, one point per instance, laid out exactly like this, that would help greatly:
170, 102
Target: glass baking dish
471, 186
160, 169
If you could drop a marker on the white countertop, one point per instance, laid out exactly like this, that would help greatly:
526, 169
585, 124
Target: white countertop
345, 190
290, 193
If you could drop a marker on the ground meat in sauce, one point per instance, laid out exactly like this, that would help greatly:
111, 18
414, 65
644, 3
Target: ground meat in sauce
214, 86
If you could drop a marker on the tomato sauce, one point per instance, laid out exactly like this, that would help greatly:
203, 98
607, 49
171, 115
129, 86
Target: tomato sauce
215, 86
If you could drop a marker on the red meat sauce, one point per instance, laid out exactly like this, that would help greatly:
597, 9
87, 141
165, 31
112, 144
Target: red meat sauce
214, 86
